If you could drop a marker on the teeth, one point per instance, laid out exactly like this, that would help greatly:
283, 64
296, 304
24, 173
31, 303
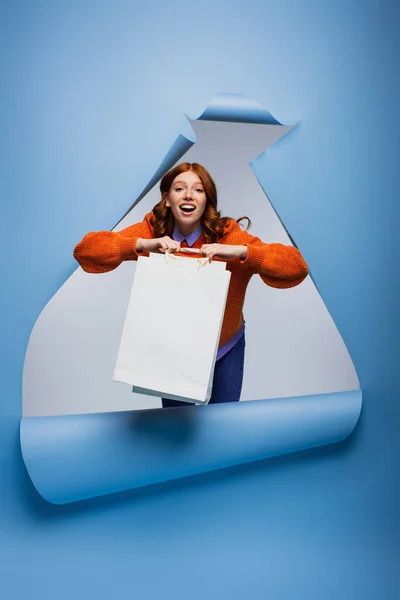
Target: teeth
188, 206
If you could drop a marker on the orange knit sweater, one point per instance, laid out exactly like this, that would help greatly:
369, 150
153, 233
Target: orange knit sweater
279, 266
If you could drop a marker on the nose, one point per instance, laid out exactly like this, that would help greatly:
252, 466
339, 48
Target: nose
188, 194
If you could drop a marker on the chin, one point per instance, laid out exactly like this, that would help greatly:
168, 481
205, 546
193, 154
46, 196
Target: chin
187, 222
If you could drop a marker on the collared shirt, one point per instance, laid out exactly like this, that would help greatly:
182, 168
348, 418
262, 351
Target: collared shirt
191, 239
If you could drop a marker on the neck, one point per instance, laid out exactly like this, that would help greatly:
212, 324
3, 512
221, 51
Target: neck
187, 229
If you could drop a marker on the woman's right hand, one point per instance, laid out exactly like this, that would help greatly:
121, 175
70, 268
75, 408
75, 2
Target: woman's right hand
161, 245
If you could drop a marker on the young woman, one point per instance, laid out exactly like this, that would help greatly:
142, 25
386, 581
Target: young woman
187, 216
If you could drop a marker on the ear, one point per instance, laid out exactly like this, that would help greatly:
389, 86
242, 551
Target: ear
167, 203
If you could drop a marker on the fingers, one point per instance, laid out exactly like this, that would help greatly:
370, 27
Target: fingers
209, 251
224, 251
166, 244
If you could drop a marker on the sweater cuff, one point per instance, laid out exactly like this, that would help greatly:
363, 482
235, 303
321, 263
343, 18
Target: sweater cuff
127, 248
255, 256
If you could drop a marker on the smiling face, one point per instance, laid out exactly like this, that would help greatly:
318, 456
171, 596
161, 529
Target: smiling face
187, 200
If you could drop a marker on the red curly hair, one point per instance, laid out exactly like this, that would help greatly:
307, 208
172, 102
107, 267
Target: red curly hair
213, 224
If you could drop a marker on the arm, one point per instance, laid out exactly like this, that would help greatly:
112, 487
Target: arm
278, 265
102, 251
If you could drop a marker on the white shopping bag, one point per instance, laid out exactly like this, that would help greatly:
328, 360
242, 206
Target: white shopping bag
172, 327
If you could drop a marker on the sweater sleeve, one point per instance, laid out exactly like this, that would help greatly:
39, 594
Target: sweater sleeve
102, 251
278, 265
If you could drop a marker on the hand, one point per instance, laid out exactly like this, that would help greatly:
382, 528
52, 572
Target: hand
223, 250
160, 245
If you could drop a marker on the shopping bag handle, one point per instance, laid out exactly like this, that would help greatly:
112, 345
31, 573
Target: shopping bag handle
190, 250
201, 261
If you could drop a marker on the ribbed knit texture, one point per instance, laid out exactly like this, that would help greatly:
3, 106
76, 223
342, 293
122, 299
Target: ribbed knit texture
279, 266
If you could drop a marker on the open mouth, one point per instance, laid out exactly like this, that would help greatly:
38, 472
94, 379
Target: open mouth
187, 208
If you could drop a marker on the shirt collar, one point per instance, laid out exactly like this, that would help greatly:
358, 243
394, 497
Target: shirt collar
191, 238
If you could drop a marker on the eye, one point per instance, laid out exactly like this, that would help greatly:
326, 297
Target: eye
199, 190
178, 189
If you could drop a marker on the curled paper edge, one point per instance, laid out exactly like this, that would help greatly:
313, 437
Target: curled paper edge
76, 457
236, 108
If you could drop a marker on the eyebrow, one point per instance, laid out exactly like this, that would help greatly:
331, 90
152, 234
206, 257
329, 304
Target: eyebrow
182, 182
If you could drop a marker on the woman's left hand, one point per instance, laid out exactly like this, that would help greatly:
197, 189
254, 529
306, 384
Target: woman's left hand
223, 250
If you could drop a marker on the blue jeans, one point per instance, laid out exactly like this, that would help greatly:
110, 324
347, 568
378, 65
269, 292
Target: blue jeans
228, 378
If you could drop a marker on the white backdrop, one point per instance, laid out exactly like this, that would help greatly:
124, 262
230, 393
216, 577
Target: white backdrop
293, 346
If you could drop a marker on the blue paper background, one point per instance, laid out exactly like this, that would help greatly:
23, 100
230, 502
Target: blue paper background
95, 95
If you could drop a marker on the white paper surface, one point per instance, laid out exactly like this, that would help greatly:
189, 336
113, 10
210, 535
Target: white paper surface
291, 339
